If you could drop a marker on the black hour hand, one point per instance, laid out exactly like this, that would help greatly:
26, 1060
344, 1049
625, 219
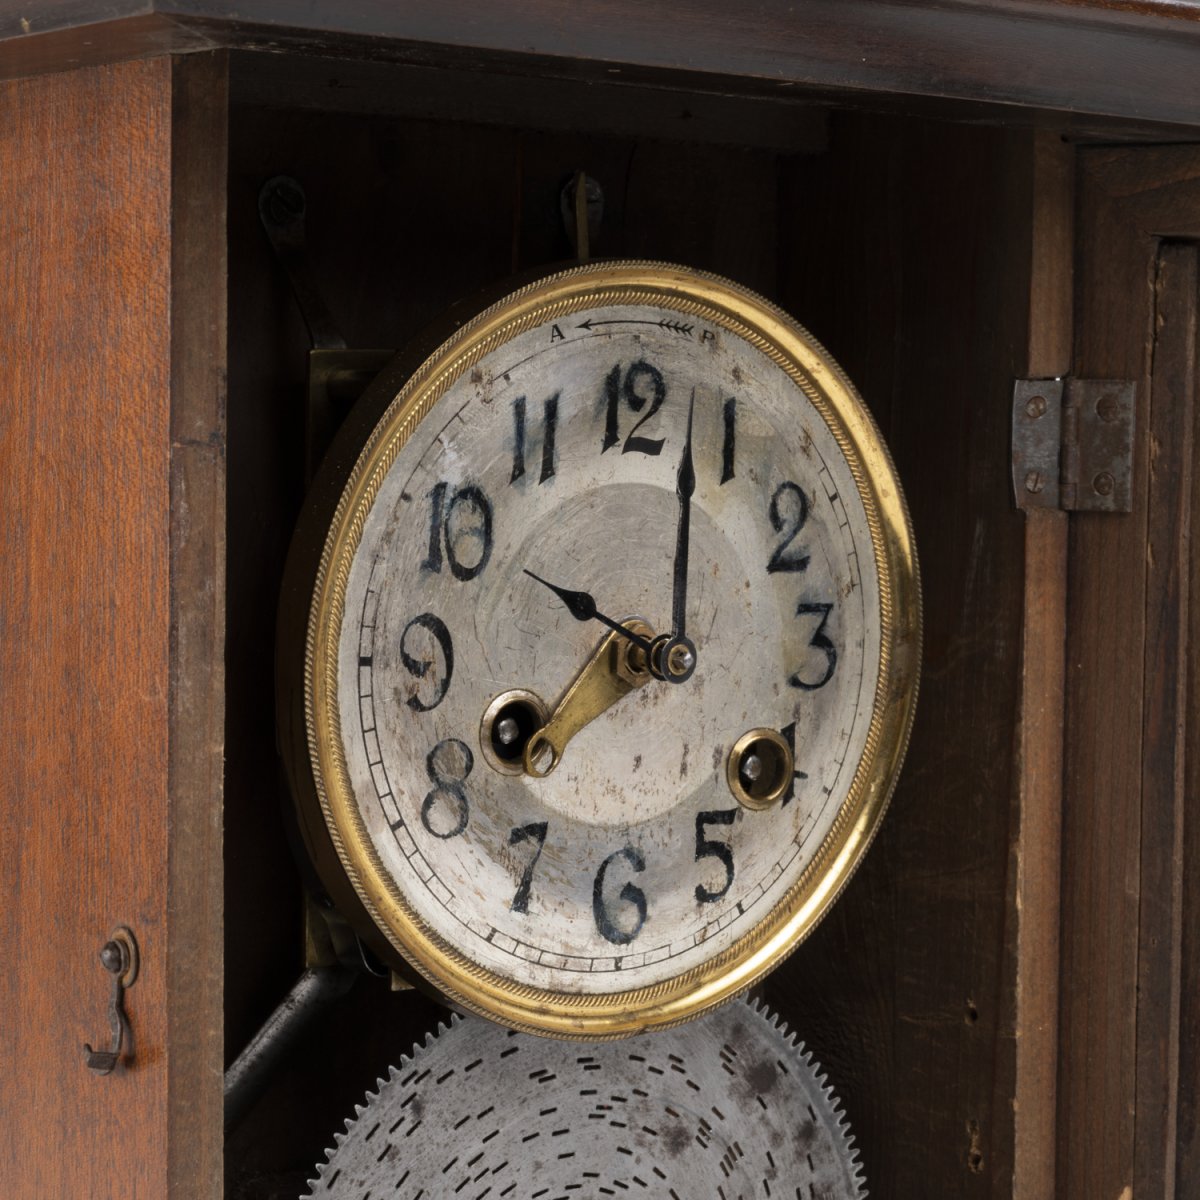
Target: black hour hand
582, 607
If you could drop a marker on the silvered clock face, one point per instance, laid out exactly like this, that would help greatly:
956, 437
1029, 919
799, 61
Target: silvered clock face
626, 446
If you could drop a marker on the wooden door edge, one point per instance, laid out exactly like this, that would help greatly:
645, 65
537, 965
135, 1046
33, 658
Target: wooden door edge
1037, 841
199, 85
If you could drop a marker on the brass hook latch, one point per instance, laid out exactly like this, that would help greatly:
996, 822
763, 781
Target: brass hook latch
119, 957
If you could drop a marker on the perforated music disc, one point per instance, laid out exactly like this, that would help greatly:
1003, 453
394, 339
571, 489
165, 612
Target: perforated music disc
729, 1107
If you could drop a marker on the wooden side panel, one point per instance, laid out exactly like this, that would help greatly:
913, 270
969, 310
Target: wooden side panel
1127, 653
1168, 551
85, 162
1101, 819
1187, 1157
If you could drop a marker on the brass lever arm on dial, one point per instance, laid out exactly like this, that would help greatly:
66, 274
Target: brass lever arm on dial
617, 668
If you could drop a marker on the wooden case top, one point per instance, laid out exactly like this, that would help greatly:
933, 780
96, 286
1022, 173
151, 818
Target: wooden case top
1136, 59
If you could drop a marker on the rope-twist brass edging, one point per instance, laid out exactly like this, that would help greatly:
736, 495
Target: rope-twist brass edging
428, 384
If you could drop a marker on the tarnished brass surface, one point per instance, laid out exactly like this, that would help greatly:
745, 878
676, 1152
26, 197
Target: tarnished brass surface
608, 676
778, 765
330, 816
538, 713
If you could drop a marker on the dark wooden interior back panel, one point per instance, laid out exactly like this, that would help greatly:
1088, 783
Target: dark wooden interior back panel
909, 253
405, 218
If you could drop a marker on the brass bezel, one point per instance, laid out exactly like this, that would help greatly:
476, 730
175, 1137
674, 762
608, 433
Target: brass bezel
733, 776
740, 313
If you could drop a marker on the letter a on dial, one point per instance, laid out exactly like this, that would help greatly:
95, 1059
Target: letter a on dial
604, 653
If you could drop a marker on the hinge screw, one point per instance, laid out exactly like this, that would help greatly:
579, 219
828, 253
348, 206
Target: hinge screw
1035, 407
1103, 484
1034, 482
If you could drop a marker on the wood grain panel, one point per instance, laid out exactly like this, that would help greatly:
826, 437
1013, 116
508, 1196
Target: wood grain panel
1126, 654
367, 88
85, 162
1036, 848
112, 519
1037, 857
1187, 1112
1101, 818
200, 121
1164, 749
1132, 60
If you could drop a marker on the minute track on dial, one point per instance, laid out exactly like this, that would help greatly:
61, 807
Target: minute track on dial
417, 594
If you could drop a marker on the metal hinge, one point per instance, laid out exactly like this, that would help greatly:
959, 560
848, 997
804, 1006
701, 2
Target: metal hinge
1072, 444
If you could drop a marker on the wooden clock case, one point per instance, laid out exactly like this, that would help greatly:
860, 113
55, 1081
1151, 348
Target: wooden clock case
952, 196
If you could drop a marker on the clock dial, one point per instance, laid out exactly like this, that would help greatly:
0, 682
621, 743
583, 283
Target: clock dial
612, 652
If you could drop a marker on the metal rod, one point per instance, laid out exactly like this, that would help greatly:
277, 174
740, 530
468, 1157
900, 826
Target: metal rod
249, 1074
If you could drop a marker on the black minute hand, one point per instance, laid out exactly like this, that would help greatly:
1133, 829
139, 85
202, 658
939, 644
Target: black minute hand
685, 485
583, 608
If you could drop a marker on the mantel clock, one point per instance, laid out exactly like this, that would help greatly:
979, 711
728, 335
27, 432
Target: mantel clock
600, 651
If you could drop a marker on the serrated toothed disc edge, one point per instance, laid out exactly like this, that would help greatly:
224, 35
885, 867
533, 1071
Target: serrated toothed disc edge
745, 1127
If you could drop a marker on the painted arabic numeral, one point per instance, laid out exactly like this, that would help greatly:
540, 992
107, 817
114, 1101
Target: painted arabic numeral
437, 498
549, 429
721, 851
466, 517
535, 832
448, 764
789, 732
788, 513
612, 394
630, 893
729, 445
518, 439
418, 668
820, 640
642, 383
